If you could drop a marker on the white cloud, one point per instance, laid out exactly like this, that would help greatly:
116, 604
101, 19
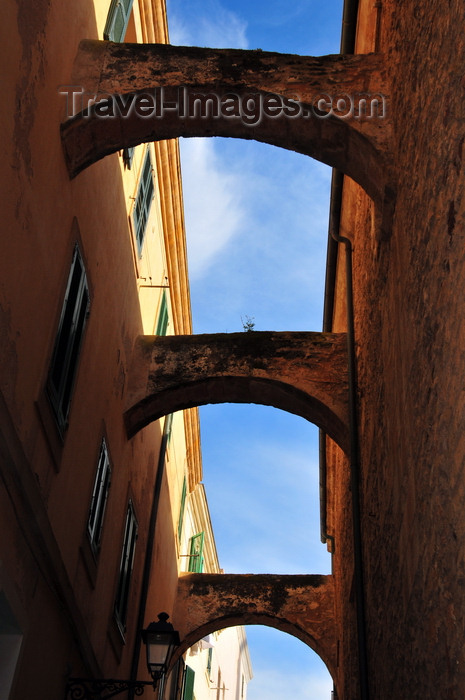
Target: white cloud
283, 666
224, 29
213, 203
270, 684
206, 23
270, 211
212, 191
262, 484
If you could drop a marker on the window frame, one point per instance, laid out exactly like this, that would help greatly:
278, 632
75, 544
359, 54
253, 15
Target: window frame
188, 683
143, 201
109, 35
196, 559
99, 499
128, 155
68, 341
11, 642
163, 316
122, 8
209, 663
182, 508
126, 567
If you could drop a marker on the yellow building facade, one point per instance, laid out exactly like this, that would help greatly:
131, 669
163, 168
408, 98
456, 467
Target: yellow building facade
219, 664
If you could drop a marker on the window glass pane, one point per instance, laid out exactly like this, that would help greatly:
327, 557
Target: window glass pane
66, 321
196, 553
127, 560
183, 505
99, 499
128, 154
143, 201
74, 344
68, 341
162, 323
117, 20
10, 646
118, 25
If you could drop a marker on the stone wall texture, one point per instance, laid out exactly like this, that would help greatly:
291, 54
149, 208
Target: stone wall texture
409, 315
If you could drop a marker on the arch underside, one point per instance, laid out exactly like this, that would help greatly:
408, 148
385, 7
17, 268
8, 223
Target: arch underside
235, 389
332, 140
223, 622
300, 605
304, 373
356, 145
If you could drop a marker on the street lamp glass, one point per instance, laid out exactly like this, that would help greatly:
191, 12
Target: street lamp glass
160, 639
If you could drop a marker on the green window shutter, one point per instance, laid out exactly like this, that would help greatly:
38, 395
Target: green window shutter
196, 553
115, 30
162, 323
117, 20
181, 510
143, 201
189, 677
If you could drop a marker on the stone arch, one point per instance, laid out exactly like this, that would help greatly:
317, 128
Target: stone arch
357, 147
299, 605
302, 373
254, 619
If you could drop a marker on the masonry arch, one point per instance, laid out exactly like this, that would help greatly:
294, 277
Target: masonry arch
302, 606
331, 140
302, 373
285, 665
281, 625
220, 623
357, 147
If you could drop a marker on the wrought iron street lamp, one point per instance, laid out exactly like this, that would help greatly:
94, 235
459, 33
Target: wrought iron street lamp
160, 639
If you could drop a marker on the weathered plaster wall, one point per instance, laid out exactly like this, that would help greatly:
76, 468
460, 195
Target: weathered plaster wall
45, 486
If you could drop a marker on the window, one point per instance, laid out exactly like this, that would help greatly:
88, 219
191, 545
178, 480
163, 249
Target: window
10, 645
181, 510
117, 20
143, 201
209, 662
188, 690
128, 154
68, 341
115, 30
127, 560
170, 687
99, 499
162, 323
196, 553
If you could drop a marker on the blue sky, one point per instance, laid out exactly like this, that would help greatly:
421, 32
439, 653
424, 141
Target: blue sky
256, 223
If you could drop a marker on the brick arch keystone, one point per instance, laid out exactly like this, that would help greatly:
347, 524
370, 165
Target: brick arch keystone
302, 373
358, 147
300, 605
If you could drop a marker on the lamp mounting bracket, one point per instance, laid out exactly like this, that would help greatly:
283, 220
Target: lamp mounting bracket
91, 689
